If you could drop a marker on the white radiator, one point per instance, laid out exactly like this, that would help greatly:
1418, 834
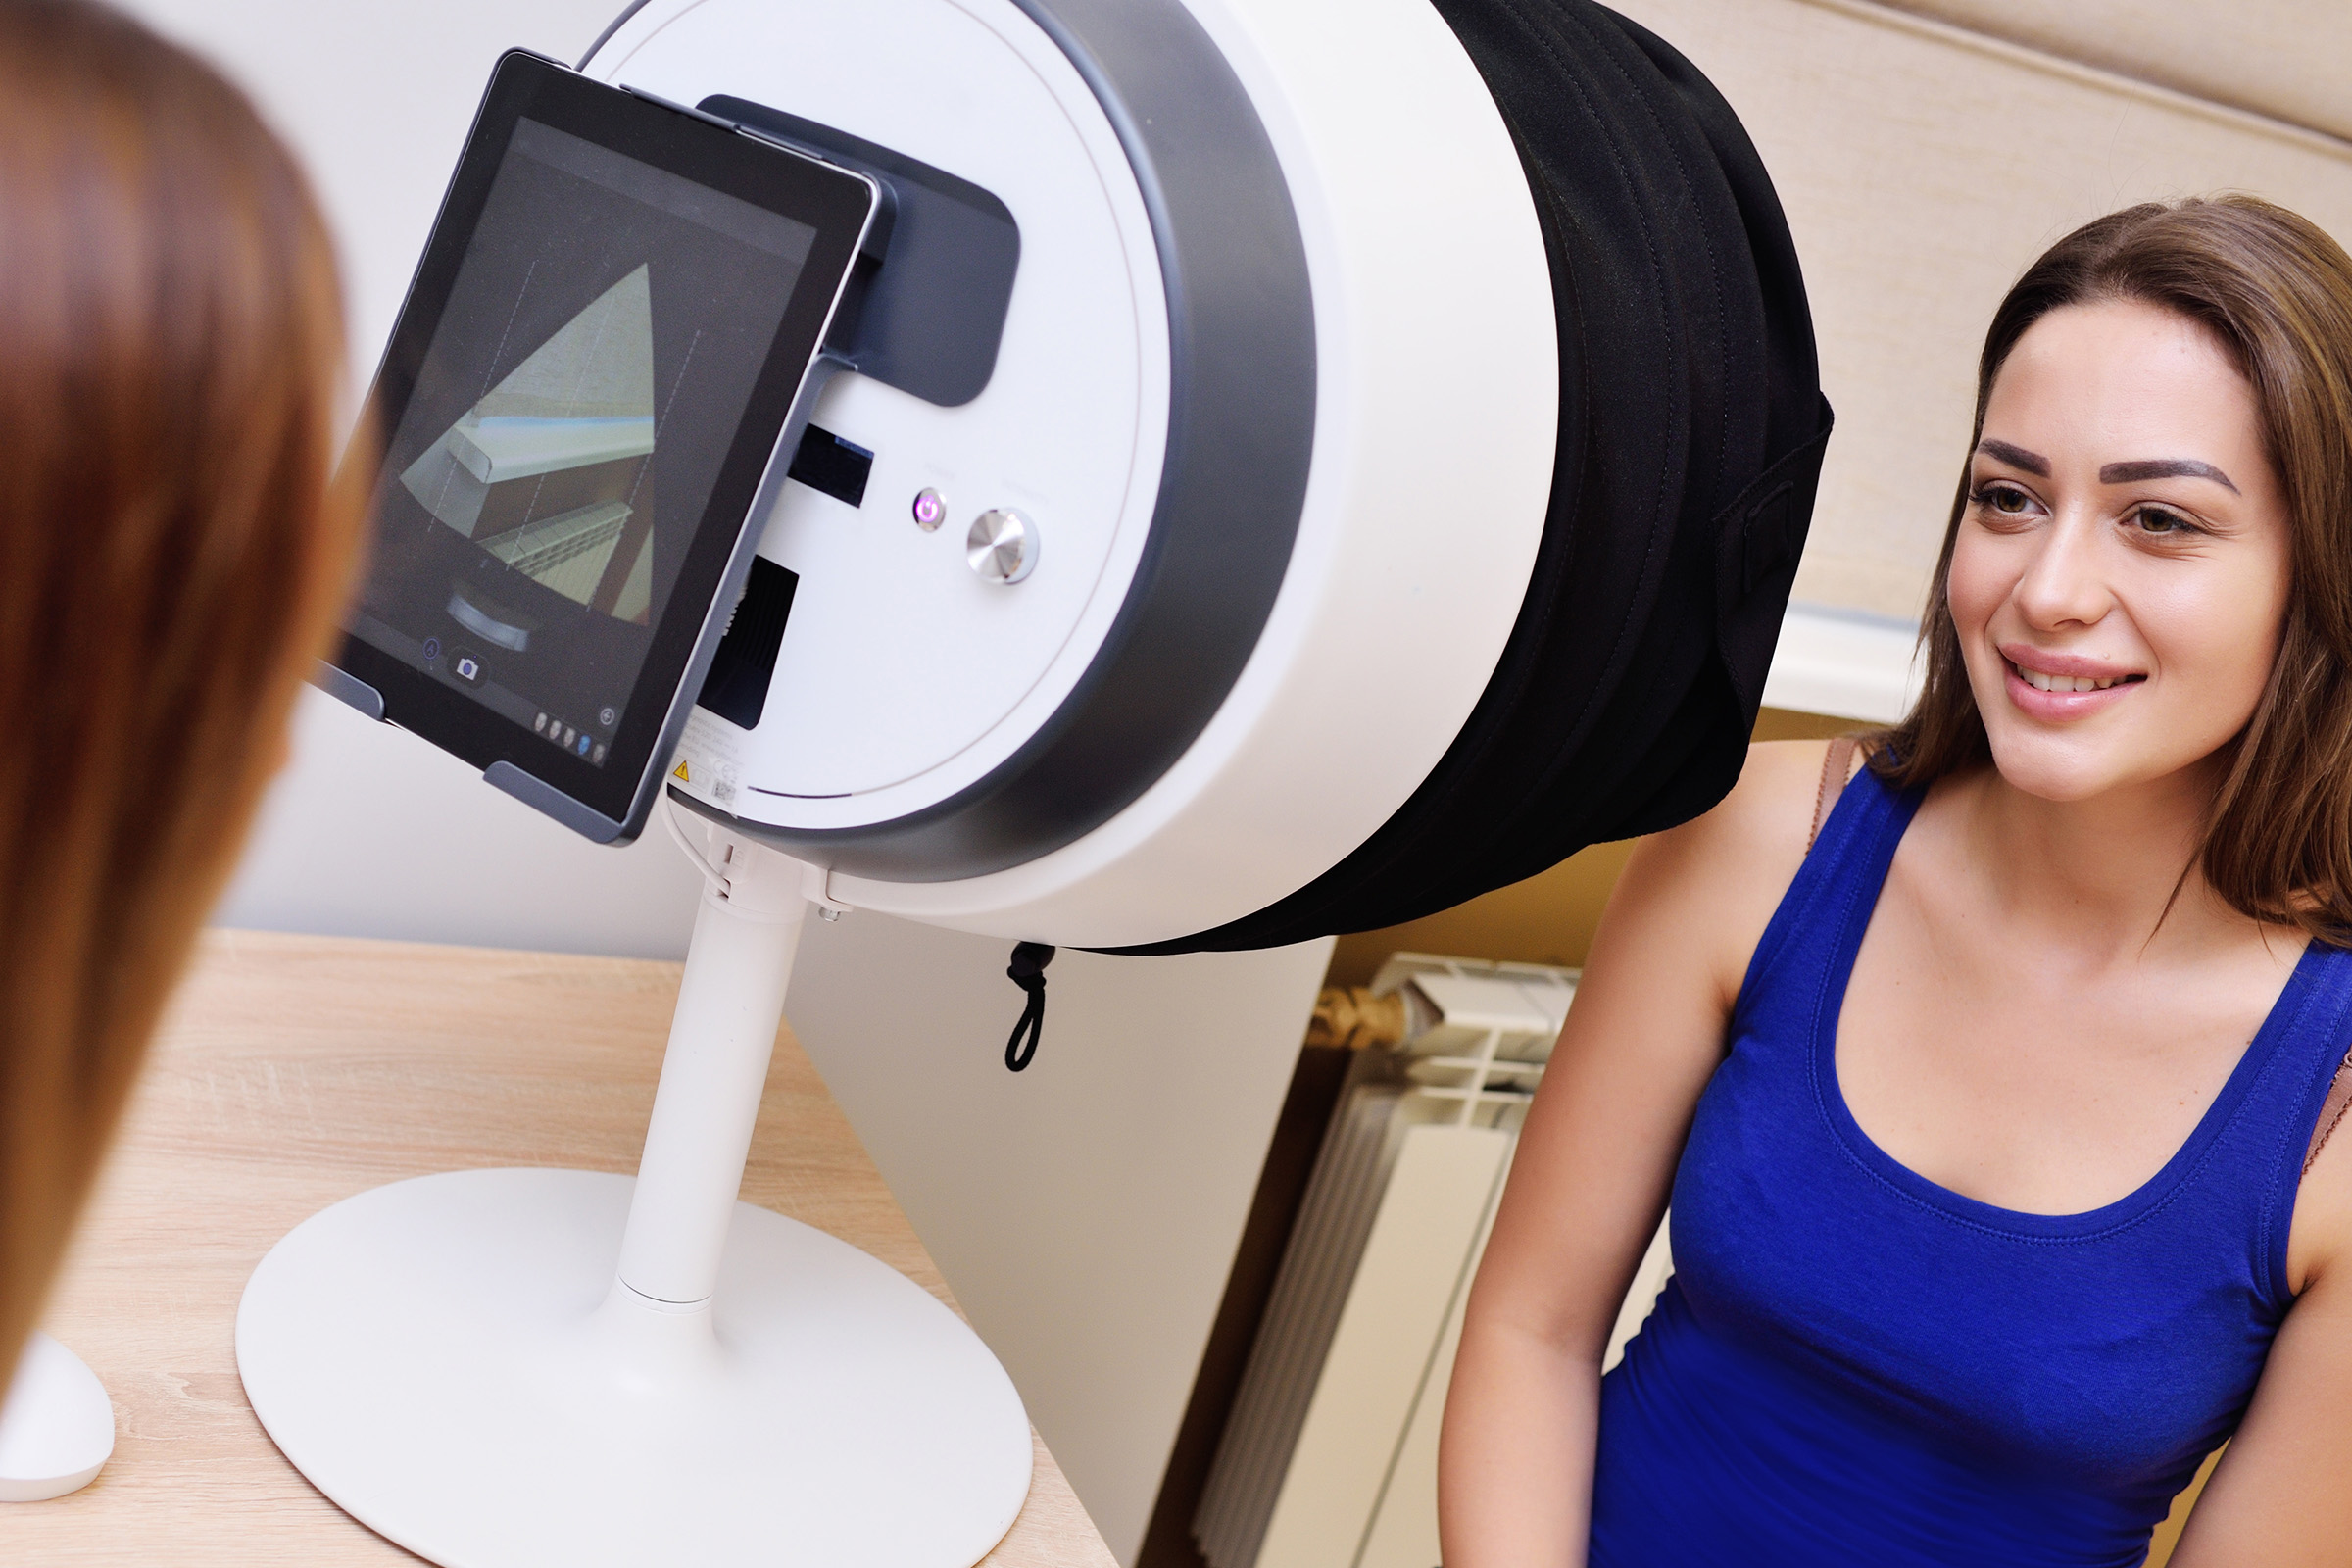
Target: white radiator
1330, 1457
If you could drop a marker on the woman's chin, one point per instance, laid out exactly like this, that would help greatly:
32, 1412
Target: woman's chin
2079, 768
2060, 769
2061, 785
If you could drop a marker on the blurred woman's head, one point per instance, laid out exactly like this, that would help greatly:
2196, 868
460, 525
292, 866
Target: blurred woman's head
170, 557
2147, 577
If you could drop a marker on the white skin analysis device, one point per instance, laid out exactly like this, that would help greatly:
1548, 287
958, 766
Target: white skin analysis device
981, 461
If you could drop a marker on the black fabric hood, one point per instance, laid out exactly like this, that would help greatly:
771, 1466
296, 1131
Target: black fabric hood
1691, 431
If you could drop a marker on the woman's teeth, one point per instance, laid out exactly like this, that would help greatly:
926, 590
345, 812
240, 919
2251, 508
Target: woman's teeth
2061, 683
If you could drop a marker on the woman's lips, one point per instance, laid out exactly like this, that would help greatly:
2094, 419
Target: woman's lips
2035, 703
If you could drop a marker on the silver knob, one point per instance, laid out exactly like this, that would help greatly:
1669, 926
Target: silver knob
1001, 546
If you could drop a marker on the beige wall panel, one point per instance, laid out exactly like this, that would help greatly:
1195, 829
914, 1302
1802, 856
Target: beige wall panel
1921, 174
2284, 58
1087, 1210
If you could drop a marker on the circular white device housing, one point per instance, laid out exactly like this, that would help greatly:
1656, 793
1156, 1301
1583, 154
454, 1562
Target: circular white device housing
1305, 220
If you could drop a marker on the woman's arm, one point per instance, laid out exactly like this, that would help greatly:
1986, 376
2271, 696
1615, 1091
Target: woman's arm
2279, 1496
1595, 1162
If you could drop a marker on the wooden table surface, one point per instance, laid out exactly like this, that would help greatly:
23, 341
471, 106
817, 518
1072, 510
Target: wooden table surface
295, 1071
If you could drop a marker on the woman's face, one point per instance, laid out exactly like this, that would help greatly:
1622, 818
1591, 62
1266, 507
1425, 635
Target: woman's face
2120, 576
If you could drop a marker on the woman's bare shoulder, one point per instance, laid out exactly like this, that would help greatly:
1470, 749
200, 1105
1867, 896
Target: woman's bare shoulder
1718, 877
2319, 1242
1765, 824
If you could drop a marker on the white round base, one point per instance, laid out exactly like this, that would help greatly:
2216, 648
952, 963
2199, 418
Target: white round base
446, 1358
57, 1429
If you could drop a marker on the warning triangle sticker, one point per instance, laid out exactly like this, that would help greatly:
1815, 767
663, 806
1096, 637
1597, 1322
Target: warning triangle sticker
679, 773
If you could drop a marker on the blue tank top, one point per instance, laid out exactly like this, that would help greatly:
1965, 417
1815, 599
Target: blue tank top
1853, 1365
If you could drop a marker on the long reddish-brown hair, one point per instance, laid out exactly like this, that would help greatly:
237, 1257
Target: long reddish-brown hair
2275, 291
170, 559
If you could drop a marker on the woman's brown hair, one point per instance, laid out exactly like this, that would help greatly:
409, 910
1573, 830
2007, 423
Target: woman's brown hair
2275, 291
170, 559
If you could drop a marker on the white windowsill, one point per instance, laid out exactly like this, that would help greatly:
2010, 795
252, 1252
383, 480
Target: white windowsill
1844, 662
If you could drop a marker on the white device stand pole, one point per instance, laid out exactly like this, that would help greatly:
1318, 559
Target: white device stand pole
747, 928
508, 1368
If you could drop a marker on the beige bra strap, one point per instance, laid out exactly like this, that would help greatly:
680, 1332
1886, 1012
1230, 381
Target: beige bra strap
1834, 767
2332, 1111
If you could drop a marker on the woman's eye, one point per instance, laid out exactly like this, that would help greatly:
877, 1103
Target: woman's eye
2157, 521
2006, 499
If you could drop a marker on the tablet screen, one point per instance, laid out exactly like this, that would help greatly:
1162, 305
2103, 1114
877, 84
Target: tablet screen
564, 478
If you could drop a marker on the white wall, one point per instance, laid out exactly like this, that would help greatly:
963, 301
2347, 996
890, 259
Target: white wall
371, 832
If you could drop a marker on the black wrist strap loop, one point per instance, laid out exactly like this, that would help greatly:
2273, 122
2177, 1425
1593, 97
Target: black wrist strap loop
1028, 971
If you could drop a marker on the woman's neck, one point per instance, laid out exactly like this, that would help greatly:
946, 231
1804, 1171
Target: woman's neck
2103, 876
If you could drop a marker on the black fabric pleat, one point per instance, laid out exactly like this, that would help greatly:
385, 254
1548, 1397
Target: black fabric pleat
1692, 429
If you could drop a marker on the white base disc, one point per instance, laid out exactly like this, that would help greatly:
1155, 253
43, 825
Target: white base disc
57, 1429
439, 1357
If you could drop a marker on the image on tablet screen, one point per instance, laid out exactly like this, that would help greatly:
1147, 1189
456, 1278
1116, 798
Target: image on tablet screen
548, 471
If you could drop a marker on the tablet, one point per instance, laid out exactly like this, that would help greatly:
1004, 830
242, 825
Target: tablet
609, 338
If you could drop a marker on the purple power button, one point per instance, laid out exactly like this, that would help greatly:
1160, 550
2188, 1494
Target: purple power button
930, 511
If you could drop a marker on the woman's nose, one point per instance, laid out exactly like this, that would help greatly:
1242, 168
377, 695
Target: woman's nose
2064, 581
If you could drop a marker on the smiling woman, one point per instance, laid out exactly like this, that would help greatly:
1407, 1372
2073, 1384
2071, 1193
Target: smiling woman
2267, 298
2128, 612
1994, 1116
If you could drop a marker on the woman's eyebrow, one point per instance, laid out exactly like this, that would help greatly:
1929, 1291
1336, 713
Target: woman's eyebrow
2016, 457
2164, 468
